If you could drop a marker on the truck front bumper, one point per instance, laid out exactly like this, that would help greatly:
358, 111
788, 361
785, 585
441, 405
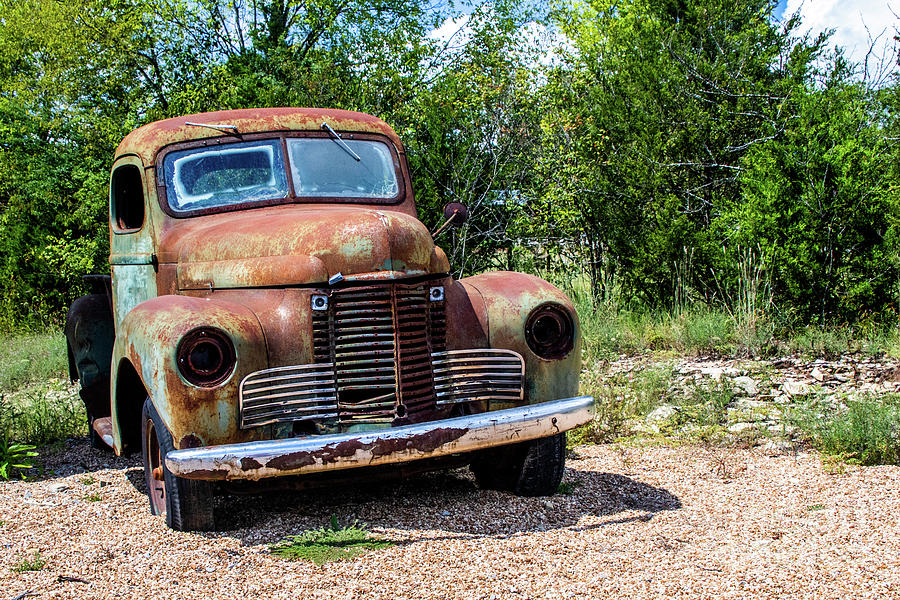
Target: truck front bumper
297, 456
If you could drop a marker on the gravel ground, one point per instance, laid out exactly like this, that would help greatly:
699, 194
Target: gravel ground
675, 522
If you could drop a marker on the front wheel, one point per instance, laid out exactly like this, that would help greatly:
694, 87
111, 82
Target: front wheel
186, 503
533, 468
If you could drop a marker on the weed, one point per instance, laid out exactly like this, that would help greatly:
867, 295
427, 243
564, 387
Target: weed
866, 430
625, 457
14, 456
815, 507
329, 543
834, 465
620, 399
88, 480
93, 497
35, 563
704, 404
41, 414
567, 488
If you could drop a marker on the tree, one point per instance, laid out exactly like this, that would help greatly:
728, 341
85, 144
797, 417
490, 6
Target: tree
647, 125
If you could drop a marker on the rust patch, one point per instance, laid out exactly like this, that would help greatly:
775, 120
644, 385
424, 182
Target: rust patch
424, 442
147, 140
294, 460
189, 441
209, 474
250, 464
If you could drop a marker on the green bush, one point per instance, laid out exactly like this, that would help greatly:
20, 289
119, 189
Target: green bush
42, 414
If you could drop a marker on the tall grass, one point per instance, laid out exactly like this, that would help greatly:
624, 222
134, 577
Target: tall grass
31, 357
42, 413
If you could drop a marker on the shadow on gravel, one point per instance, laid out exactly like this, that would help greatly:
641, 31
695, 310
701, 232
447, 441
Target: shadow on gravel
444, 505
75, 456
436, 505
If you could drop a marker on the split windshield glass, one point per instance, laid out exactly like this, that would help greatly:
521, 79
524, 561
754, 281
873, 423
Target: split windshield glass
251, 172
201, 178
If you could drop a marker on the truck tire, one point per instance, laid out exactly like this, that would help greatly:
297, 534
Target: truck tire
533, 468
89, 340
186, 503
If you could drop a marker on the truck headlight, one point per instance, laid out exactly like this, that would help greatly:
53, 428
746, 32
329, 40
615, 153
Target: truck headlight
550, 331
205, 356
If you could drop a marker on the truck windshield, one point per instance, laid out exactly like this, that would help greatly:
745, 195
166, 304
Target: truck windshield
251, 172
222, 175
322, 168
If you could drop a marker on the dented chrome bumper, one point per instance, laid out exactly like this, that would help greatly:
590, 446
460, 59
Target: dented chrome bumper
296, 456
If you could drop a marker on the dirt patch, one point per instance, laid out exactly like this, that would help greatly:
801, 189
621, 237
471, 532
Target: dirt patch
686, 522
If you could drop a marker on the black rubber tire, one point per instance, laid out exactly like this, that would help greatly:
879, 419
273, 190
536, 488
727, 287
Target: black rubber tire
533, 468
187, 503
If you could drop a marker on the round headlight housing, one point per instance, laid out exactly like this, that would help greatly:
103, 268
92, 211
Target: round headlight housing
205, 356
550, 331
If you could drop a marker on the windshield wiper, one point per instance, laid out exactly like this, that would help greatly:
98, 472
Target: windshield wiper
338, 139
219, 126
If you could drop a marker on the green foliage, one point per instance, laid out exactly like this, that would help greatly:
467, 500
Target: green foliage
14, 456
35, 562
619, 399
329, 543
865, 430
671, 153
818, 199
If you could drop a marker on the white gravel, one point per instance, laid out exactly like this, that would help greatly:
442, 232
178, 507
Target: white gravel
653, 522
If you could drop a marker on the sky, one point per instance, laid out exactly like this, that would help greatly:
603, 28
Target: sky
849, 19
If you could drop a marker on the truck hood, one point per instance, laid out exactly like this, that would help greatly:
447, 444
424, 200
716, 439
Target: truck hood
298, 245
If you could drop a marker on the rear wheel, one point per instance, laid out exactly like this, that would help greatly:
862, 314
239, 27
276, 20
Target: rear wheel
186, 503
533, 468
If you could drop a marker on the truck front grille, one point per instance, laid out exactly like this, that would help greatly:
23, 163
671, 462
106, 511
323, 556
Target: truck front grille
359, 387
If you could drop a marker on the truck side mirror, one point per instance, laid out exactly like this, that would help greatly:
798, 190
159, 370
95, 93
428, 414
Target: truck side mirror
456, 213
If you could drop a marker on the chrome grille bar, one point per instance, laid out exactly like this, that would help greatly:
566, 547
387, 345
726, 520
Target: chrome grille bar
484, 374
309, 392
300, 392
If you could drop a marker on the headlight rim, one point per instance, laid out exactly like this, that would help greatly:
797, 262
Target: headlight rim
563, 344
221, 342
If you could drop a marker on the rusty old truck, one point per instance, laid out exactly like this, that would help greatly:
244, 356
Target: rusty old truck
276, 313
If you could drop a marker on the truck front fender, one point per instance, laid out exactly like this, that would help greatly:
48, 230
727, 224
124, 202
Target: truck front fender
146, 349
506, 300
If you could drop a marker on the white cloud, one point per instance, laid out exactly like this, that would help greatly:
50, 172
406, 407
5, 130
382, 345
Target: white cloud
453, 32
857, 24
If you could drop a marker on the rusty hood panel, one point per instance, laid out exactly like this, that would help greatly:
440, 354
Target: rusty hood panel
297, 244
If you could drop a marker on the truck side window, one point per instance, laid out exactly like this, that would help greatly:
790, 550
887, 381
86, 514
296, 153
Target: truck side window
127, 198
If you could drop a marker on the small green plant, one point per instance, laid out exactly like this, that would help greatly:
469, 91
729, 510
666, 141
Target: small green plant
329, 543
14, 456
621, 398
88, 480
567, 488
34, 563
93, 497
815, 507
